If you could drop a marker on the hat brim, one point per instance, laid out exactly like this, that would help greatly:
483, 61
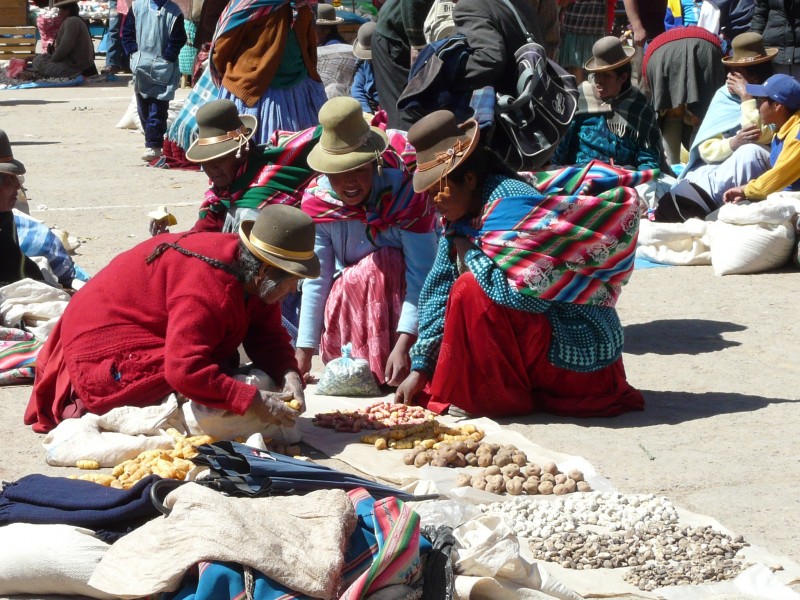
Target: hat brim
360, 51
305, 269
328, 163
425, 180
12, 167
328, 22
592, 67
199, 153
771, 54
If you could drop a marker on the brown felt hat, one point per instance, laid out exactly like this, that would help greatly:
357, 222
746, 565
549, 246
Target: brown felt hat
362, 46
326, 15
347, 141
608, 54
441, 145
8, 164
222, 130
748, 50
282, 236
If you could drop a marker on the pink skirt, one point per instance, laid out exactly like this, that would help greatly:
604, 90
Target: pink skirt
364, 307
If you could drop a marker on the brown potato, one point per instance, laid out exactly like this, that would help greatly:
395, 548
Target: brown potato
551, 468
546, 488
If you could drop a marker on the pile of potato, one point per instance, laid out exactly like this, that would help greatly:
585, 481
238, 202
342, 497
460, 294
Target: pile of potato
380, 415
426, 436
170, 464
507, 470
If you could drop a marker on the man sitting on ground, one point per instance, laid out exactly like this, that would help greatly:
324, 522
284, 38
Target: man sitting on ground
779, 105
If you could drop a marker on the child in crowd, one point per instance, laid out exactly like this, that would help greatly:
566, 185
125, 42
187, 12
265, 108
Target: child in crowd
153, 35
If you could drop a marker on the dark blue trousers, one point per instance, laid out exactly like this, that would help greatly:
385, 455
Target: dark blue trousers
153, 115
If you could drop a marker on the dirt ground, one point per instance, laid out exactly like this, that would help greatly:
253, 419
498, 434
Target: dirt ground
716, 358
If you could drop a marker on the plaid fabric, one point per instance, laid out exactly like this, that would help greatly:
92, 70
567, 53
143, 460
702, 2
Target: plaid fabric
336, 64
575, 243
36, 239
584, 16
184, 129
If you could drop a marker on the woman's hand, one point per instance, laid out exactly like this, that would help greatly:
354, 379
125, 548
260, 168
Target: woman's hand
736, 84
734, 195
413, 385
746, 135
293, 384
271, 408
303, 357
398, 365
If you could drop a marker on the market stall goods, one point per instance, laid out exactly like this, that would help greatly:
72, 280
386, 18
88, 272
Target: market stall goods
169, 464
612, 530
380, 415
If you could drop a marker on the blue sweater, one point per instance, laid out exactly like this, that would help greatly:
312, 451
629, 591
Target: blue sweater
364, 89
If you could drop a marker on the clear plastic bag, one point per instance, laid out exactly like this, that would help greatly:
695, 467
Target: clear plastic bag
347, 376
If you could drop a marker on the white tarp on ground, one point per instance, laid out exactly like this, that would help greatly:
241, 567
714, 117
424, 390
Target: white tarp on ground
457, 507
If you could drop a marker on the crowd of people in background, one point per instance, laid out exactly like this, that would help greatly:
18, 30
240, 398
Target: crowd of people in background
404, 234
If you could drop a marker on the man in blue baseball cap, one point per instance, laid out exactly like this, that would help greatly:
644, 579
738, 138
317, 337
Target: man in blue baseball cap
778, 102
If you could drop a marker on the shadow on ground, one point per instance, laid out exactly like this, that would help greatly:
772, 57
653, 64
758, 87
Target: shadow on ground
663, 408
33, 143
679, 336
30, 102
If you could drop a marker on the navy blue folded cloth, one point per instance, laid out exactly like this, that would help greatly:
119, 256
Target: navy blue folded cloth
42, 499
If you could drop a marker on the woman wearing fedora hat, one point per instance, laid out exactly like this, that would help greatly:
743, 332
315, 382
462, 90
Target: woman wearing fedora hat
72, 53
733, 124
517, 314
614, 123
364, 89
189, 300
375, 241
326, 25
263, 57
245, 176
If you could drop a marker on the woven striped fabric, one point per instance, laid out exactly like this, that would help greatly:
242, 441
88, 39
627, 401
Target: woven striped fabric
574, 242
18, 349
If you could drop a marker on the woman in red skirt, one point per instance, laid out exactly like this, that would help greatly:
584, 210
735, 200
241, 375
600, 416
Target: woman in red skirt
517, 314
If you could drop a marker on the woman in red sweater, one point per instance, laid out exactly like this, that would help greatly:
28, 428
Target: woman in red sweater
169, 315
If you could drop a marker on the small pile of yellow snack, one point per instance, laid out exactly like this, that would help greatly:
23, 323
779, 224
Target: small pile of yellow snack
426, 434
170, 464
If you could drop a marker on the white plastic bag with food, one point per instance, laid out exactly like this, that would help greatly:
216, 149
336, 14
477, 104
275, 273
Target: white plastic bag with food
347, 376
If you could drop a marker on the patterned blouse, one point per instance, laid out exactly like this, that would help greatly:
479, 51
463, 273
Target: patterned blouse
585, 337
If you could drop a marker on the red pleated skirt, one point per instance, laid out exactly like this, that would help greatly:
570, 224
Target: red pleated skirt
494, 362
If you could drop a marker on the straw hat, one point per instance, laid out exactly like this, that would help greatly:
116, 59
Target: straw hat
347, 141
442, 145
362, 46
748, 50
326, 15
608, 54
8, 164
222, 130
282, 236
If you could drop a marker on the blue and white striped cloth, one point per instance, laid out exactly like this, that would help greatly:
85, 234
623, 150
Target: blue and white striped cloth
36, 239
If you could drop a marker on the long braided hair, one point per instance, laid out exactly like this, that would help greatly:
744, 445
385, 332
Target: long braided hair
231, 269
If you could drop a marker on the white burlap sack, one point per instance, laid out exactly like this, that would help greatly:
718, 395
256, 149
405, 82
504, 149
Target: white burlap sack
753, 237
49, 559
674, 243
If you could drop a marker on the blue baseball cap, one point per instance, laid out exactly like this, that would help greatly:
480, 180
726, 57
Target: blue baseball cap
781, 88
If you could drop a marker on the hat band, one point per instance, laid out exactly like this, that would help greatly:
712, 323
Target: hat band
279, 252
748, 58
231, 135
336, 151
6, 158
448, 156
